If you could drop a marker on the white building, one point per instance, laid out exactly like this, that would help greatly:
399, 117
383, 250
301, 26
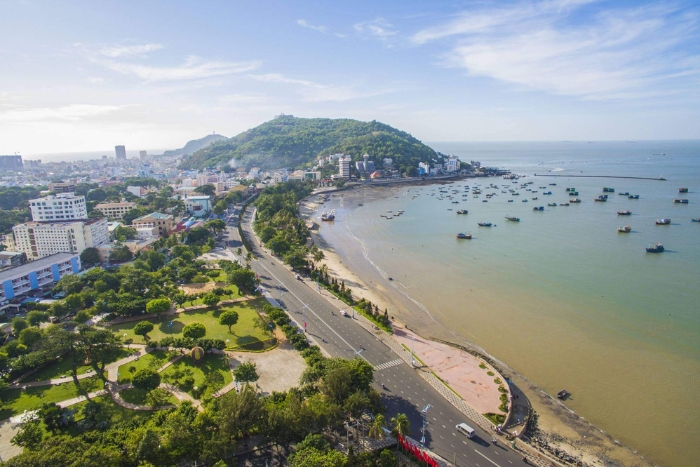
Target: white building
41, 239
206, 179
344, 167
137, 191
115, 211
452, 164
58, 207
280, 176
199, 206
37, 274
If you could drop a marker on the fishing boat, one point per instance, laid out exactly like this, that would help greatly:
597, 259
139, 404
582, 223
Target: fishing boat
462, 211
551, 204
601, 199
633, 197
465, 236
484, 224
680, 201
513, 218
682, 190
695, 220
570, 190
573, 193
510, 200
538, 208
625, 229
624, 193
664, 221
625, 212
534, 198
552, 184
515, 193
524, 201
547, 193
575, 200
658, 248
608, 190
328, 216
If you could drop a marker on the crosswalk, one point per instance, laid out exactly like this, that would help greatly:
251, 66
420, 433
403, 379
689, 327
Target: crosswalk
384, 366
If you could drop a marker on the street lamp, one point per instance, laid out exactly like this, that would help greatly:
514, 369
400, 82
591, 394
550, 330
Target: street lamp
413, 360
424, 415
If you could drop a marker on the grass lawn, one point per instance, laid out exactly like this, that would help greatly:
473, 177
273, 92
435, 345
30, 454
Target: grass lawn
244, 332
213, 372
16, 401
138, 396
153, 360
62, 368
231, 288
221, 277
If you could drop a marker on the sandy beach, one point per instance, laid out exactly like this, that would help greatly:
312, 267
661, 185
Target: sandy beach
558, 427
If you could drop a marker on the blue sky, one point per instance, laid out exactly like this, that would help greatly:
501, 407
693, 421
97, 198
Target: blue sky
83, 76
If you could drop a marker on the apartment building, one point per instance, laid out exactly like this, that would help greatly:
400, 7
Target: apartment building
62, 187
58, 207
42, 239
164, 222
115, 211
37, 274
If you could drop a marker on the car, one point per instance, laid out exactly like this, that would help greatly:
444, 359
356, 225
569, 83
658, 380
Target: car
465, 429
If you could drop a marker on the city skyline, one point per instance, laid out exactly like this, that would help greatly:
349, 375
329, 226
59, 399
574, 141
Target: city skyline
498, 71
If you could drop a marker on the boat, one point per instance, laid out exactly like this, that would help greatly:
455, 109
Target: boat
664, 221
360, 204
625, 212
563, 394
538, 208
484, 224
524, 201
465, 236
570, 190
682, 190
695, 220
633, 196
510, 200
575, 200
547, 193
513, 218
573, 193
328, 216
551, 204
608, 190
515, 193
400, 211
601, 199
534, 198
680, 201
484, 201
564, 204
624, 193
658, 248
625, 229
462, 211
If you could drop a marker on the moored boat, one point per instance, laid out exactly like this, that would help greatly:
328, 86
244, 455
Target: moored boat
513, 218
625, 229
680, 201
601, 198
538, 208
547, 193
465, 236
462, 211
695, 220
664, 221
682, 190
564, 204
625, 212
551, 204
571, 190
608, 190
624, 193
573, 193
633, 197
658, 248
328, 216
484, 224
575, 200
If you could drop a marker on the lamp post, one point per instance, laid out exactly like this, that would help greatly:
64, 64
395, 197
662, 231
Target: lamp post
413, 360
170, 327
424, 415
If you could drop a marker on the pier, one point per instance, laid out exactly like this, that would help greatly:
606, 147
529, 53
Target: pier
661, 179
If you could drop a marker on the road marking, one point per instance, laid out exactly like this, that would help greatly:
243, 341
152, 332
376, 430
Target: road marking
386, 365
486, 458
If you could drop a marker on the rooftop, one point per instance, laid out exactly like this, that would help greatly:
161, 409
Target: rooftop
34, 265
62, 222
154, 215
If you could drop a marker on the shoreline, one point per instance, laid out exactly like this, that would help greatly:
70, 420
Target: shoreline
556, 428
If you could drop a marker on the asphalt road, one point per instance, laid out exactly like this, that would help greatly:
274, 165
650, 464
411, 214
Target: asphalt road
406, 391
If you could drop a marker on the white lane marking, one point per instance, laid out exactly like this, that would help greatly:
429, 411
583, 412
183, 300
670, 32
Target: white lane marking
486, 458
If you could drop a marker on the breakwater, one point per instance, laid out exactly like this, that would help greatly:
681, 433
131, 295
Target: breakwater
661, 179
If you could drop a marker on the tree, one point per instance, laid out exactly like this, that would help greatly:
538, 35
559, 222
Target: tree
216, 225
194, 331
376, 430
90, 256
146, 379
99, 347
29, 336
386, 459
157, 397
401, 425
36, 317
208, 189
53, 416
29, 436
158, 306
210, 299
228, 318
142, 328
244, 279
120, 254
246, 373
19, 324
336, 384
123, 234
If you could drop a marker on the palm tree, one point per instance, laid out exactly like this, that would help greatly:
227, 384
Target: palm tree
400, 425
376, 430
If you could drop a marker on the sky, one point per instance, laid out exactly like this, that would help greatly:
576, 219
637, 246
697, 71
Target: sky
81, 76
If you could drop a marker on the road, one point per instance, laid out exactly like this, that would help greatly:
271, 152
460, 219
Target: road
406, 391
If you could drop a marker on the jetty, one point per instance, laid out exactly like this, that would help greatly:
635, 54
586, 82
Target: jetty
601, 176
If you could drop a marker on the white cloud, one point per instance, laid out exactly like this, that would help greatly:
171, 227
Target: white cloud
95, 80
316, 92
129, 50
377, 27
304, 24
625, 53
193, 68
72, 112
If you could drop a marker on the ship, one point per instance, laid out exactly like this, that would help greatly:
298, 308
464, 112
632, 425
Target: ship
625, 229
484, 224
510, 200
538, 208
695, 220
465, 236
682, 190
551, 204
575, 200
573, 193
601, 199
625, 212
680, 201
570, 190
633, 197
608, 190
664, 221
462, 211
658, 248
547, 193
328, 216
513, 218
624, 193
564, 204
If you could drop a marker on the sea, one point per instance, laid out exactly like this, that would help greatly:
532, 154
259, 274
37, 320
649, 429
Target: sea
560, 297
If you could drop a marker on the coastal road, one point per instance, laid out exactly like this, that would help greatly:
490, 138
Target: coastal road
406, 391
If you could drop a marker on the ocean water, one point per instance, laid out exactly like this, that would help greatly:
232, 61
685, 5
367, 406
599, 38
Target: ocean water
561, 297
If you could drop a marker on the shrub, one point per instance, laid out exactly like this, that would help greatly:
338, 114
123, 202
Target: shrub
146, 379
194, 331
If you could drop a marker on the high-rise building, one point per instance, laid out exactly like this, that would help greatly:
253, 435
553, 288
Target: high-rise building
344, 166
41, 239
143, 154
59, 207
11, 163
120, 152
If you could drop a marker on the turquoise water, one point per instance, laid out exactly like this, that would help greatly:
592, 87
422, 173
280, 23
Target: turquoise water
561, 296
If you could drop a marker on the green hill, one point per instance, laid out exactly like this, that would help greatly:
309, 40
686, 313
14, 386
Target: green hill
195, 145
287, 141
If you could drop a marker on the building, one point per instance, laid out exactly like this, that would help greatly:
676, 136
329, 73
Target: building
11, 163
42, 239
37, 274
452, 164
115, 211
199, 206
143, 154
254, 172
58, 207
344, 167
138, 191
164, 222
365, 166
120, 152
423, 168
62, 187
207, 179
11, 259
388, 162
280, 176
32, 164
